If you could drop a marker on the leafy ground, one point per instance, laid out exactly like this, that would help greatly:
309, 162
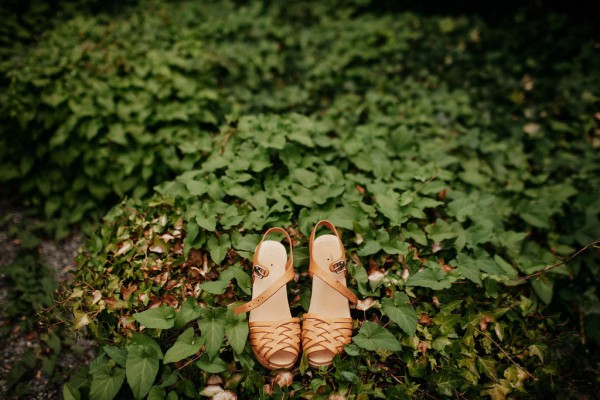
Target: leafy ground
457, 153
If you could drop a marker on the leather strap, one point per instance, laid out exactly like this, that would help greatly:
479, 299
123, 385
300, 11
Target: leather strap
314, 268
290, 260
267, 294
339, 287
331, 227
320, 334
267, 338
275, 286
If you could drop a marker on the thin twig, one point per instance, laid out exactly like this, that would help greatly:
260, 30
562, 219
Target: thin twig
426, 393
191, 361
506, 354
226, 139
558, 264
396, 379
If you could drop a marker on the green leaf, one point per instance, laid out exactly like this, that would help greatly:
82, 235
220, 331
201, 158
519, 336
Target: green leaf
496, 392
236, 272
244, 243
544, 288
375, 337
467, 268
395, 247
401, 313
218, 247
196, 188
141, 339
191, 233
430, 279
236, 329
141, 369
487, 366
189, 311
162, 317
215, 287
536, 215
389, 205
157, 393
186, 345
305, 177
508, 269
169, 376
360, 274
172, 396
70, 393
207, 222
350, 377
213, 366
446, 322
212, 325
243, 280
352, 350
106, 383
538, 350
370, 248
303, 367
413, 231
446, 383
345, 217
118, 354
440, 231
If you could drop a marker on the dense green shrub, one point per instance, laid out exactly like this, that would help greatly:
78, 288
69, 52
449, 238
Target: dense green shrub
105, 117
459, 152
435, 259
115, 106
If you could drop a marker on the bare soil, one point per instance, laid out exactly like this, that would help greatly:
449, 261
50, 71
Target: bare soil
17, 342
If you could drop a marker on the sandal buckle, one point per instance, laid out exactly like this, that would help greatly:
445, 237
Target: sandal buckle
338, 266
259, 271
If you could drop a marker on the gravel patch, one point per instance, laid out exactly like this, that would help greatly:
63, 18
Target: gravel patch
60, 257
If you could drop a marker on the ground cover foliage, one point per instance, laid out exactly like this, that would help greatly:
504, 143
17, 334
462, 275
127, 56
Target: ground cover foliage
459, 158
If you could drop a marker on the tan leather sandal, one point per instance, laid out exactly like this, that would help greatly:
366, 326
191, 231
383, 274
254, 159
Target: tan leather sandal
274, 334
327, 326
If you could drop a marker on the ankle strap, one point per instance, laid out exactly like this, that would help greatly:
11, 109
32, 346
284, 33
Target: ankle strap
338, 266
260, 271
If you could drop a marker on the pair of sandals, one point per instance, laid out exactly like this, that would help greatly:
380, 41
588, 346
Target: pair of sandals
274, 335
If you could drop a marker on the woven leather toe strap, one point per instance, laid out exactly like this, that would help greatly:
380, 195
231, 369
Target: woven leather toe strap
320, 334
268, 338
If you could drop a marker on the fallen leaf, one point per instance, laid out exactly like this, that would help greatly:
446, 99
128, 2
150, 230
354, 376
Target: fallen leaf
211, 390
376, 276
531, 128
167, 237
425, 320
283, 379
214, 380
126, 291
364, 305
527, 83
225, 395
123, 248
156, 249
268, 389
96, 296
